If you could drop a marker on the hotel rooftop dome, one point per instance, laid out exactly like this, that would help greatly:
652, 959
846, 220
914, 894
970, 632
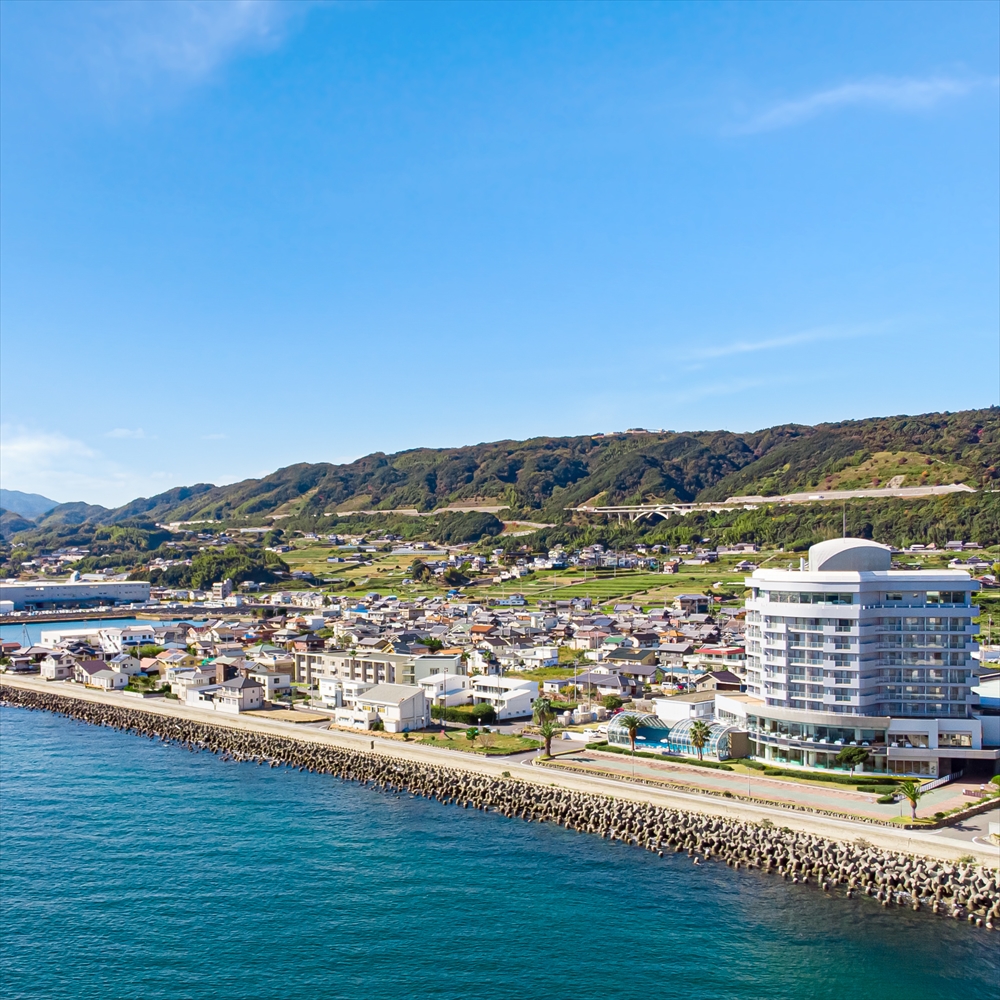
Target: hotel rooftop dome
856, 555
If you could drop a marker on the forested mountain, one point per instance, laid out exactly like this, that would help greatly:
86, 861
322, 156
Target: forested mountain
541, 477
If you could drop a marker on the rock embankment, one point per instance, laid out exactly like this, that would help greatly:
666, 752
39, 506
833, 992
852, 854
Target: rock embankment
957, 891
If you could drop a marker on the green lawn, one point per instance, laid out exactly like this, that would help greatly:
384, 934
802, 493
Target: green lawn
500, 743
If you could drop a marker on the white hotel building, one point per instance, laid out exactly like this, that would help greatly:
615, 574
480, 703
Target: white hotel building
847, 650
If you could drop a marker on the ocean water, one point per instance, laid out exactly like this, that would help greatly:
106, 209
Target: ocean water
130, 868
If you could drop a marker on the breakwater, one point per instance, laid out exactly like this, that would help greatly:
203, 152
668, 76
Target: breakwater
894, 879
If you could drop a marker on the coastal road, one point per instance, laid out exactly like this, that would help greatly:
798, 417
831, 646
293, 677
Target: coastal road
974, 829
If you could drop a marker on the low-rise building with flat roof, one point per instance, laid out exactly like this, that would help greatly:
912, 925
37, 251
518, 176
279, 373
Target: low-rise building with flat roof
38, 595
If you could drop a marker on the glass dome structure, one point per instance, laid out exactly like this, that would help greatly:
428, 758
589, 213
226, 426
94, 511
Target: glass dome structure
656, 736
652, 730
717, 744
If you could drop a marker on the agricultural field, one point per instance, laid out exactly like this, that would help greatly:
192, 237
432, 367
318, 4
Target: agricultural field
605, 586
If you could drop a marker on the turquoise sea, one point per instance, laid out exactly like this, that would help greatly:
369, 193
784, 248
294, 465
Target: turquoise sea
130, 868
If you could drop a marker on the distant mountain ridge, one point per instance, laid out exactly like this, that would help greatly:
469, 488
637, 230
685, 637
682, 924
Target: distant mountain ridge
543, 476
29, 505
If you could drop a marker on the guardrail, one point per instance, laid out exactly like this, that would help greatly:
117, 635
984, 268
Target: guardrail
944, 780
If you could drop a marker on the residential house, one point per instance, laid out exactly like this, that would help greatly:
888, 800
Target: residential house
688, 604
603, 684
447, 690
719, 680
57, 666
718, 658
510, 697
239, 694
117, 640
694, 705
84, 670
275, 683
633, 657
400, 707
109, 680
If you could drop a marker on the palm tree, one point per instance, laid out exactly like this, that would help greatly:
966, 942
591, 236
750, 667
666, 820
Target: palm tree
699, 734
911, 791
543, 710
547, 730
630, 723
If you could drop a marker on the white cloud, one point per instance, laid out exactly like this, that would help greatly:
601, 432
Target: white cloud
124, 433
888, 94
56, 465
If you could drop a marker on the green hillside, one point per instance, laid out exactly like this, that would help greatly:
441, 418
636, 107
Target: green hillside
537, 479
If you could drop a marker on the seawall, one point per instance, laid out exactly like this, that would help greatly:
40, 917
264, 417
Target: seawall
894, 878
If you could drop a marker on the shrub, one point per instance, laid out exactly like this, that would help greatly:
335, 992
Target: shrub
886, 800
841, 779
468, 714
612, 702
378, 725
939, 815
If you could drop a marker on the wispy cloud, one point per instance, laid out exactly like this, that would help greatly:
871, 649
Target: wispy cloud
52, 463
716, 351
139, 51
187, 38
123, 433
886, 93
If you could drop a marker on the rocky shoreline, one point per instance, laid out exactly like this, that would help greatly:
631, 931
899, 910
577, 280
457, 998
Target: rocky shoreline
961, 892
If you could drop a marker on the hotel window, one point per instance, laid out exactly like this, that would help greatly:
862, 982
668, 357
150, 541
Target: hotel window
954, 739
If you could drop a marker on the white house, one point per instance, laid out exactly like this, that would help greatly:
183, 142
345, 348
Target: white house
110, 680
510, 697
331, 693
241, 694
401, 708
57, 667
274, 682
125, 664
448, 690
695, 705
185, 679
117, 640
528, 657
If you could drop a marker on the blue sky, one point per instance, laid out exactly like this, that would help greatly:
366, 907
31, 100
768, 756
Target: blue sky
237, 236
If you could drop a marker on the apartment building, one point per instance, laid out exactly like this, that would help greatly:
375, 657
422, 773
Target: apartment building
374, 666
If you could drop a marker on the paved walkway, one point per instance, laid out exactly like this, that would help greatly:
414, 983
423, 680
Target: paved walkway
830, 797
